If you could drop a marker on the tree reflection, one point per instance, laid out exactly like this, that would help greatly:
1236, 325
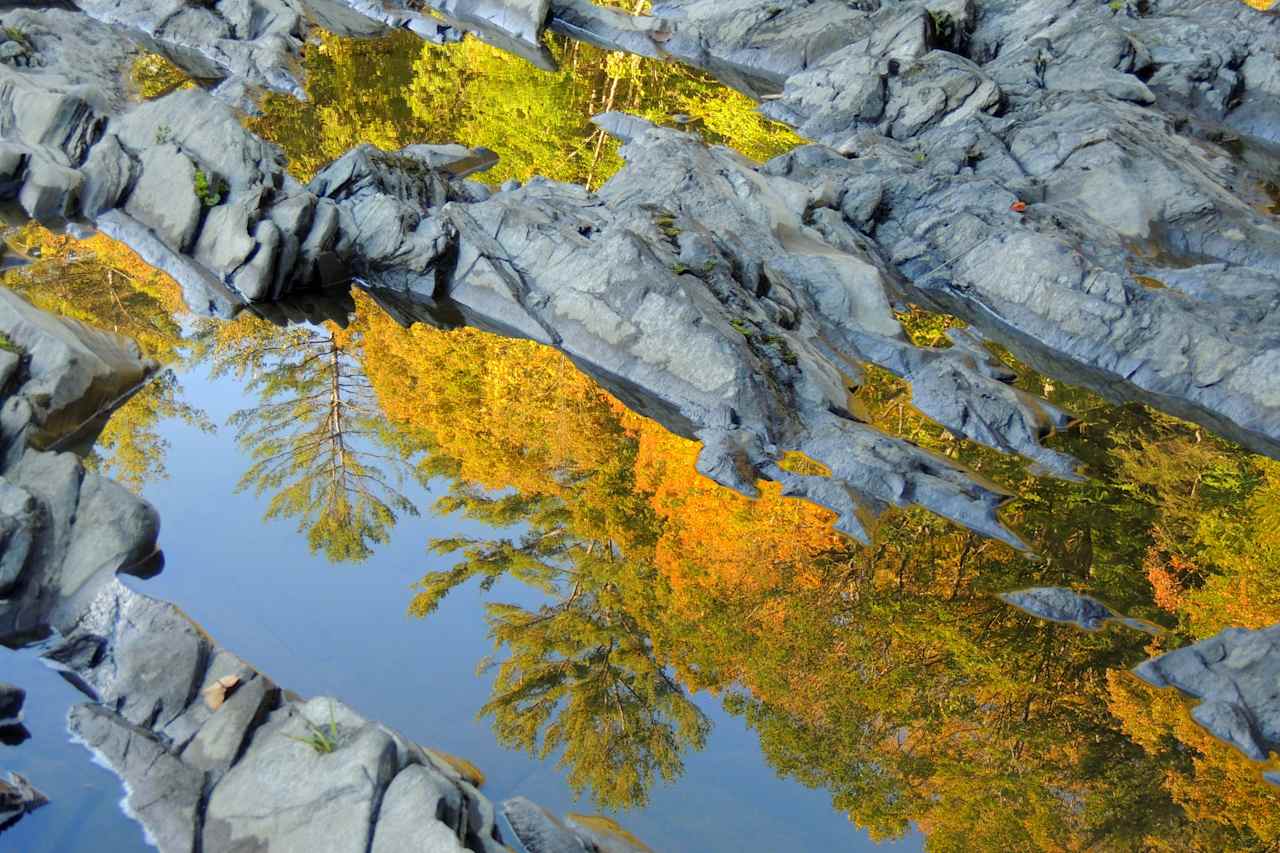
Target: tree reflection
396, 91
317, 441
102, 283
889, 675
580, 676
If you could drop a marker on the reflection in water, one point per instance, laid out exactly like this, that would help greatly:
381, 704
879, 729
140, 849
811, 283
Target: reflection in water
397, 91
103, 283
889, 675
316, 439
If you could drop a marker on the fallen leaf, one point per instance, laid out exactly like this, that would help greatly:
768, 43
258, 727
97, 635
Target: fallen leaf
1018, 206
216, 694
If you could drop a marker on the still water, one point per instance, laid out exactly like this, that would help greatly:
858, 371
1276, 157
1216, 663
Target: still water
372, 512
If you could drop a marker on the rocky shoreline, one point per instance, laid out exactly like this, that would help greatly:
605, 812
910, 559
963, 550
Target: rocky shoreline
214, 756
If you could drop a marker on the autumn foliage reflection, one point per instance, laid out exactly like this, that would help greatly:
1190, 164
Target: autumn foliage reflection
890, 675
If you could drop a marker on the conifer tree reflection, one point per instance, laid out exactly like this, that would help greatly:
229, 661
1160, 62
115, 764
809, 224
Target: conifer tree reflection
317, 442
579, 676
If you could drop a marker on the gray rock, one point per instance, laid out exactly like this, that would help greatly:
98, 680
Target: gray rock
536, 831
51, 191
18, 527
73, 370
287, 794
163, 793
1059, 604
1234, 675
421, 810
108, 177
18, 797
164, 198
220, 741
11, 699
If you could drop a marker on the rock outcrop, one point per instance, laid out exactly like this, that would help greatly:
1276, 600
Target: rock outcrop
214, 756
1234, 675
1082, 183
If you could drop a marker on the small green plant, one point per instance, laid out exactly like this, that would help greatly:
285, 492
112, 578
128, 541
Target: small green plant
944, 26
711, 264
1116, 5
742, 327
16, 34
8, 345
785, 352
209, 190
921, 156
670, 230
164, 134
679, 268
322, 741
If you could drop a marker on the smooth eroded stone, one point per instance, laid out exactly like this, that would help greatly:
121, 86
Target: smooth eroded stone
73, 370
218, 743
51, 191
286, 796
114, 528
226, 240
420, 812
164, 793
164, 197
18, 519
537, 830
108, 175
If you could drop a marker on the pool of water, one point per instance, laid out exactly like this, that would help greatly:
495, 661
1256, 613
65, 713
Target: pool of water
344, 630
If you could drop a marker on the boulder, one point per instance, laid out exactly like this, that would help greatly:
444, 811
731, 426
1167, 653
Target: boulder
291, 793
73, 370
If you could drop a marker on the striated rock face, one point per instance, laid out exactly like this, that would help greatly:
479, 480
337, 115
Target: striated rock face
213, 755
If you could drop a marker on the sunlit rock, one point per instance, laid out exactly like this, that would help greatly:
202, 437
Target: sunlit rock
1234, 675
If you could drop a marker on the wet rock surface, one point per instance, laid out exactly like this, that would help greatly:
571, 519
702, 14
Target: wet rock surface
1058, 604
